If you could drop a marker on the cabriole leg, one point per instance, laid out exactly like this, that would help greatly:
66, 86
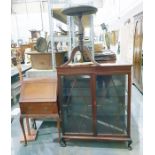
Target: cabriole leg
129, 144
62, 142
23, 130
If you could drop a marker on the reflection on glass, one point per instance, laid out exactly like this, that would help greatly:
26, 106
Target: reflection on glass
76, 104
111, 104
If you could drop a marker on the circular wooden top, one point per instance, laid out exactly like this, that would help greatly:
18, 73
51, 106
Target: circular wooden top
79, 10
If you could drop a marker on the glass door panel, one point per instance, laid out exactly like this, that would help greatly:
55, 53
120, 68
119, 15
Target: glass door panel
111, 102
76, 104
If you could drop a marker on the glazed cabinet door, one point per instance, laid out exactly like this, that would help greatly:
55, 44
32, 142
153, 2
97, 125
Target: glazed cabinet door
75, 104
111, 104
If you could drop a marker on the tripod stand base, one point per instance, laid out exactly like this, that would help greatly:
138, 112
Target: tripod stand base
85, 53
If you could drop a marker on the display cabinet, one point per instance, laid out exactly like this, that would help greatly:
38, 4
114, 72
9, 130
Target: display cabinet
95, 101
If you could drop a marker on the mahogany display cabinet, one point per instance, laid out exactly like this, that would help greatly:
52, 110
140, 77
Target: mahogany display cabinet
95, 101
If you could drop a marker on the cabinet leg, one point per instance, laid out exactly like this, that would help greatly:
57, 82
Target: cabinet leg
62, 142
129, 144
28, 126
23, 130
58, 126
34, 126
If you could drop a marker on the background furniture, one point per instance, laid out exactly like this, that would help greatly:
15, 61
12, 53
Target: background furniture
41, 60
60, 57
23, 47
138, 52
38, 100
15, 82
33, 73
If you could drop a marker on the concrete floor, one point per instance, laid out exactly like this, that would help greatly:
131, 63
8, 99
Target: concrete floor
46, 142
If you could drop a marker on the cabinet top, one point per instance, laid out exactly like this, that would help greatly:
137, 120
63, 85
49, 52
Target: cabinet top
117, 67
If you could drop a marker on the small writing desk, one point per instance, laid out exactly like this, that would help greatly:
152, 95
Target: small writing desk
38, 99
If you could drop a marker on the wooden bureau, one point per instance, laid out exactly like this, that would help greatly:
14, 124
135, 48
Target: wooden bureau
38, 99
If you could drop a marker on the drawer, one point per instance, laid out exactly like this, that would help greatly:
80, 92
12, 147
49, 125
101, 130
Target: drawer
38, 108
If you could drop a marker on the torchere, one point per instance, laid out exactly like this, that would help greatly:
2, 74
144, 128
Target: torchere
79, 11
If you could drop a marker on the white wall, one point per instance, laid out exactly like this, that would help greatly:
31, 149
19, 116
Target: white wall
114, 10
27, 16
26, 23
116, 19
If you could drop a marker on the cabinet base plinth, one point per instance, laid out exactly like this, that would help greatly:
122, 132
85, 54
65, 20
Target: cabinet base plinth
106, 138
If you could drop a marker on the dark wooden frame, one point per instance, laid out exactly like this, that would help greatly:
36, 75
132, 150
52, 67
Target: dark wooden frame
93, 70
